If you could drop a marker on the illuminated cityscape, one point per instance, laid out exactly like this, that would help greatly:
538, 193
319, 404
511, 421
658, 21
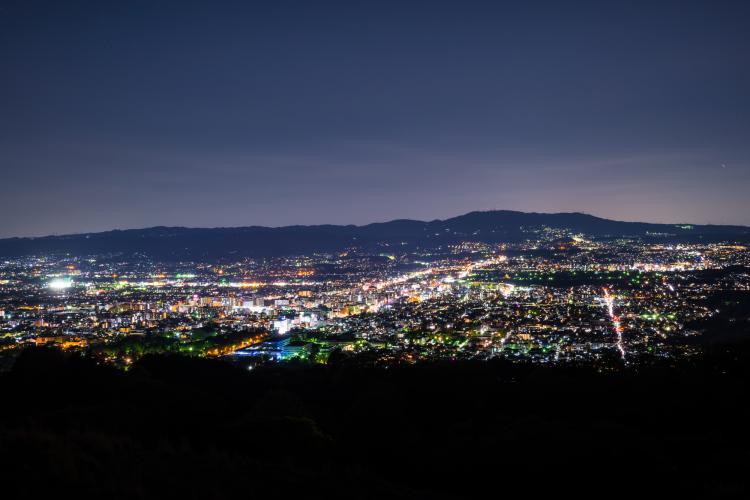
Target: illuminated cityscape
555, 298
374, 250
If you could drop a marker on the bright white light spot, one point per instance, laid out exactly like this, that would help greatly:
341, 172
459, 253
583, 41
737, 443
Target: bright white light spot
60, 284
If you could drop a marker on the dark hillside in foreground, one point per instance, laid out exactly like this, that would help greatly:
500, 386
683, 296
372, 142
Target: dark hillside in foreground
256, 241
190, 428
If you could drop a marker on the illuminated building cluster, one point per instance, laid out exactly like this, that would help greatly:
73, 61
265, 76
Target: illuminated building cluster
556, 298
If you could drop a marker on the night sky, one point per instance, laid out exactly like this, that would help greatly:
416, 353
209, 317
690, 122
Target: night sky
134, 114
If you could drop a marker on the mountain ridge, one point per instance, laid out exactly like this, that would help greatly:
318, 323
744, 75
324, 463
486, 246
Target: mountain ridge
262, 241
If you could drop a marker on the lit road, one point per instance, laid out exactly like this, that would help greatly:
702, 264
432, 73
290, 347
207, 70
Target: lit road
609, 300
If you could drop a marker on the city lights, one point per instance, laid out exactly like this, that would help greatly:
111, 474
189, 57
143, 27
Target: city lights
60, 284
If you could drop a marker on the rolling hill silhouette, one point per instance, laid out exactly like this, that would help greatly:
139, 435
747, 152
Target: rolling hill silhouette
258, 241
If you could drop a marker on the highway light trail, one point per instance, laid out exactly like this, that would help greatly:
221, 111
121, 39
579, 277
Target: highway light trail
465, 271
609, 300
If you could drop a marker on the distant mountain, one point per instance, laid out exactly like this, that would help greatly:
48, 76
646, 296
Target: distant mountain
257, 241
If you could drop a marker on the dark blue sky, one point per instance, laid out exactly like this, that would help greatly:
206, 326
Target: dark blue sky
134, 114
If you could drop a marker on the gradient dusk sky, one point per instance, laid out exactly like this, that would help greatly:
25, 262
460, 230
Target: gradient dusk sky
134, 114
